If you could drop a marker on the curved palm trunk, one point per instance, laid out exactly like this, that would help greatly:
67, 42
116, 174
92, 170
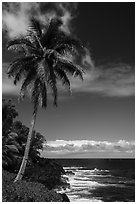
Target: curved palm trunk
26, 153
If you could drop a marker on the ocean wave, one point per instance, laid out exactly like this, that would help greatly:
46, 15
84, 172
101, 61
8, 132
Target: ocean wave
72, 168
79, 182
91, 174
83, 182
84, 169
77, 198
82, 178
87, 200
102, 181
80, 192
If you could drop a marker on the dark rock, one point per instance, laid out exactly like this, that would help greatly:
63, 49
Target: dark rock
65, 197
70, 172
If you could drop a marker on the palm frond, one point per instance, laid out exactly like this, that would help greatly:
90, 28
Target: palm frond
51, 32
69, 67
12, 148
35, 33
18, 76
14, 69
19, 64
29, 78
36, 27
25, 50
68, 43
61, 75
63, 48
19, 43
31, 35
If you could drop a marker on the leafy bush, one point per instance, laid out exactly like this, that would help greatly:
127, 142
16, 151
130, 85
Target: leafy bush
14, 138
24, 191
8, 115
10, 150
46, 171
36, 141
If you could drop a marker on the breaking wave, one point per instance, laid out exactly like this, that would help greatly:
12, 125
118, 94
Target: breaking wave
84, 182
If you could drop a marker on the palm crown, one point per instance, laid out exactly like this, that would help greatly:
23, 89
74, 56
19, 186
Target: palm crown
43, 60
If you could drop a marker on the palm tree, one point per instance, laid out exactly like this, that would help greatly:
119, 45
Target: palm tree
42, 61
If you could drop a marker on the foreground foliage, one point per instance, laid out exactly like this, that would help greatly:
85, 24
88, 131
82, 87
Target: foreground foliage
46, 171
14, 138
9, 113
41, 174
24, 191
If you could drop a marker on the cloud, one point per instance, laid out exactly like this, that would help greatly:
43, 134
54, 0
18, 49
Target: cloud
112, 80
16, 16
68, 13
64, 147
87, 60
8, 88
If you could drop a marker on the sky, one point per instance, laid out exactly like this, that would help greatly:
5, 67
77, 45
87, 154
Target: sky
98, 120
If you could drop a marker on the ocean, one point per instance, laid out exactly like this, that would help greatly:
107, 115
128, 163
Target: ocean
100, 180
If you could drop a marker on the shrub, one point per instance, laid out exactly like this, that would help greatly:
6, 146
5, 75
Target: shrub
24, 191
46, 171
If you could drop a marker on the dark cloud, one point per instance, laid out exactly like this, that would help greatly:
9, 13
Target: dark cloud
16, 16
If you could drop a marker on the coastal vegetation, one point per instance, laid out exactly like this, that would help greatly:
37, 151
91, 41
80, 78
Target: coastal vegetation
42, 175
26, 191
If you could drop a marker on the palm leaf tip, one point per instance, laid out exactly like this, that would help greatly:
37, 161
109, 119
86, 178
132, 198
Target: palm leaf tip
35, 26
55, 98
55, 103
70, 91
8, 73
